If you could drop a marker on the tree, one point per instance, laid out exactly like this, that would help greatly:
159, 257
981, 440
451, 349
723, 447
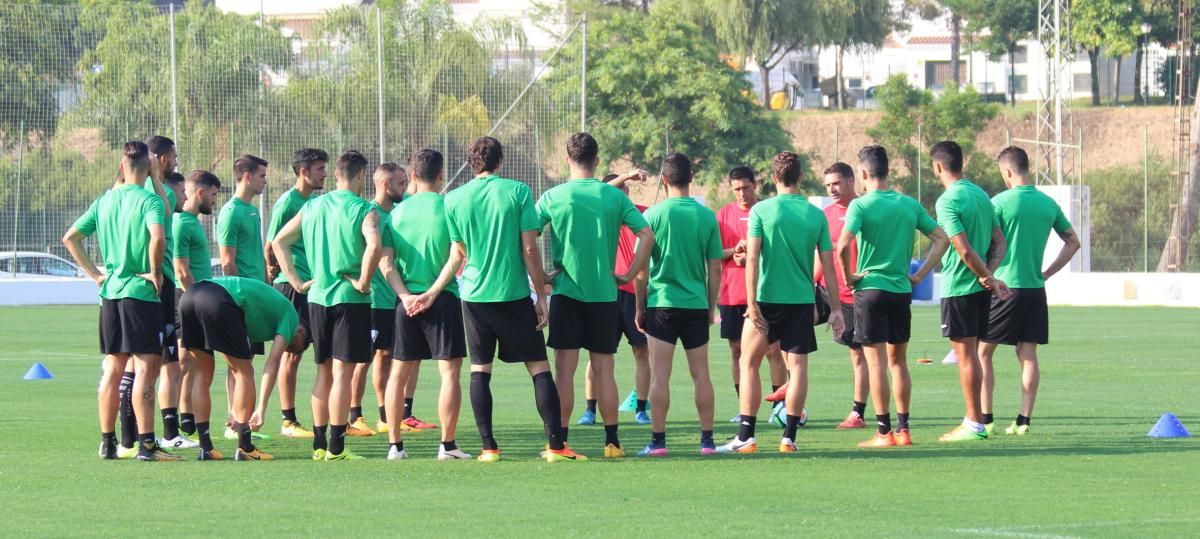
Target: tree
854, 24
999, 25
1183, 218
1109, 24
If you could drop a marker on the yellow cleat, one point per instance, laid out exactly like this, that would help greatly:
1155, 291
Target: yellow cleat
293, 429
489, 455
319, 454
359, 428
613, 451
566, 454
381, 427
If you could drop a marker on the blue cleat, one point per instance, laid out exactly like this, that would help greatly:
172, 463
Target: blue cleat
642, 418
652, 450
588, 418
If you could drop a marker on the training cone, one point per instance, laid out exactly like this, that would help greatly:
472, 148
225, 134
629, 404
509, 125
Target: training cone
38, 372
950, 359
630, 403
1168, 426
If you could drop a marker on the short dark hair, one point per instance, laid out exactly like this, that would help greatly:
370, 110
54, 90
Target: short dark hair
677, 169
949, 154
159, 144
174, 178
485, 155
136, 153
874, 159
787, 168
247, 164
742, 173
841, 169
582, 148
305, 158
426, 164
1015, 158
204, 178
350, 164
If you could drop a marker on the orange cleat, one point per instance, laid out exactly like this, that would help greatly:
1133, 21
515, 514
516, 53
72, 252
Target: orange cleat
416, 424
879, 441
852, 421
903, 437
779, 395
565, 454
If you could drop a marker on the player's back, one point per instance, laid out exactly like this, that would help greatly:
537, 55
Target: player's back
885, 222
332, 228
488, 215
122, 216
1026, 216
685, 236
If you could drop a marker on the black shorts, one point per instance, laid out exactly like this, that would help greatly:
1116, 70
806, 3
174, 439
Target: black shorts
210, 320
436, 333
511, 324
1023, 317
964, 317
130, 326
790, 325
626, 321
669, 324
383, 328
170, 311
846, 337
881, 316
733, 319
342, 332
578, 324
299, 301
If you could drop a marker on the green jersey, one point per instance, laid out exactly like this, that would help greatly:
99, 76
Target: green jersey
239, 226
792, 230
168, 269
964, 209
488, 216
382, 295
585, 218
285, 208
1026, 216
686, 237
268, 312
332, 229
121, 220
883, 223
419, 236
190, 242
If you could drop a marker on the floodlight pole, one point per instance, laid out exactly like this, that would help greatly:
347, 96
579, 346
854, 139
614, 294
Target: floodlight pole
379, 74
174, 83
583, 77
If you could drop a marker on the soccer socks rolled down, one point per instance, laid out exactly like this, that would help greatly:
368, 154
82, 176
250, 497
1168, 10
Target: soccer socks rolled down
901, 421
128, 418
481, 405
1022, 420
383, 414
746, 431
659, 439
202, 430
641, 406
187, 424
243, 432
884, 422
408, 406
859, 408
320, 440
449, 446
988, 418
789, 429
355, 413
170, 417
337, 439
545, 393
591, 405
610, 435
147, 441
290, 415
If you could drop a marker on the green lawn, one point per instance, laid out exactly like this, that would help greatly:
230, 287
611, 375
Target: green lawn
1087, 469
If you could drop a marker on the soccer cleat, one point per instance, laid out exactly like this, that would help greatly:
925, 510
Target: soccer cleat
211, 454
803, 416
381, 427
613, 451
962, 433
178, 442
489, 455
1018, 430
396, 454
852, 421
587, 418
125, 453
738, 445
566, 454
108, 451
989, 428
344, 455
319, 454
786, 445
903, 437
417, 424
156, 453
653, 451
879, 441
230, 434
453, 454
359, 428
255, 454
779, 395
642, 418
708, 447
736, 419
293, 429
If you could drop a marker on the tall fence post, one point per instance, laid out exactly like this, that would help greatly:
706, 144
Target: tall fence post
174, 83
17, 199
1145, 199
379, 76
583, 78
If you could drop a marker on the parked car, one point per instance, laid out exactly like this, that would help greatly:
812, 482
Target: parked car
26, 264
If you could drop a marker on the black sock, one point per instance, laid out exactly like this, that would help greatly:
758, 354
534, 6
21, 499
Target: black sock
1022, 420
290, 415
610, 435
337, 439
481, 404
901, 421
988, 418
355, 413
659, 439
706, 436
187, 423
746, 431
562, 433
202, 430
859, 408
108, 438
789, 429
320, 440
399, 446
449, 446
408, 406
147, 441
128, 418
243, 432
737, 389
170, 422
591, 405
884, 422
545, 393
641, 406
383, 414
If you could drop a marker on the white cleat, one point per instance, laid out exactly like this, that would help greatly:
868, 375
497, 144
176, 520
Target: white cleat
453, 454
394, 454
178, 442
125, 453
950, 359
738, 446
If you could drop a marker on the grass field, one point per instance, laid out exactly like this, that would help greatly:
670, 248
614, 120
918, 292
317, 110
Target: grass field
1087, 468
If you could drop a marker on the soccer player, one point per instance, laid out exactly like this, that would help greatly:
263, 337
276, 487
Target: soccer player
839, 185
226, 314
1026, 217
173, 401
677, 299
585, 216
784, 232
390, 183
965, 213
882, 223
309, 166
128, 223
492, 220
341, 236
420, 268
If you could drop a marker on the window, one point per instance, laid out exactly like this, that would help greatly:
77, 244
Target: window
1020, 54
854, 83
937, 73
57, 268
1020, 84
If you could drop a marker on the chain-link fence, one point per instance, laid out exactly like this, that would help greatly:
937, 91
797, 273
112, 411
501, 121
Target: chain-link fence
76, 83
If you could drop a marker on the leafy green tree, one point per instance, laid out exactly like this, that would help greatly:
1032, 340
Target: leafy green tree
1112, 25
998, 26
854, 24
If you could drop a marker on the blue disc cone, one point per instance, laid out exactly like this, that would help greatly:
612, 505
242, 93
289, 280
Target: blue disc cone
1168, 426
38, 372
